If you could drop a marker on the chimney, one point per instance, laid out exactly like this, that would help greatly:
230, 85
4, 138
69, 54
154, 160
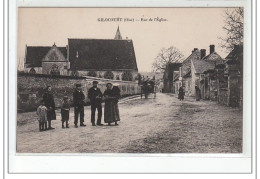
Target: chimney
195, 49
202, 53
211, 49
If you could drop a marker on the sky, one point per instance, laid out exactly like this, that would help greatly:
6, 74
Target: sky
184, 28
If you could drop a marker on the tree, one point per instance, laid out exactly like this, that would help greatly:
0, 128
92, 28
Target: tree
109, 75
165, 57
127, 76
139, 78
92, 73
234, 28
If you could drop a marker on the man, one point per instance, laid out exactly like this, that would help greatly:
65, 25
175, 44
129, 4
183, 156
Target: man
78, 100
50, 105
95, 96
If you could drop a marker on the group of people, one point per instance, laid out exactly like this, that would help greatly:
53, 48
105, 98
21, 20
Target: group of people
181, 93
46, 111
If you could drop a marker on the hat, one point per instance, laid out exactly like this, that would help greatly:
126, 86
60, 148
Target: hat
116, 84
108, 84
95, 82
78, 85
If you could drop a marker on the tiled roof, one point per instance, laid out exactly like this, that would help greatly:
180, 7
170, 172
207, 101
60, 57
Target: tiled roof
207, 63
201, 65
213, 57
35, 55
176, 76
187, 75
236, 55
101, 54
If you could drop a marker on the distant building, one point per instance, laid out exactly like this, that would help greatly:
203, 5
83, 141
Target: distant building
185, 78
168, 86
191, 73
104, 58
200, 70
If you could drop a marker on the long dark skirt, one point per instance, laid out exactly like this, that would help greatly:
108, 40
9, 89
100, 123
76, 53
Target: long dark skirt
51, 114
198, 95
181, 95
111, 112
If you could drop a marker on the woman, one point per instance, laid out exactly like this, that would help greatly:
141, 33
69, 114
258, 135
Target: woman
198, 94
111, 114
116, 94
50, 105
181, 94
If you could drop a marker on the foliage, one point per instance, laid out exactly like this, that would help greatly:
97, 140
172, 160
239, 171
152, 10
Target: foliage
127, 76
109, 75
92, 73
139, 78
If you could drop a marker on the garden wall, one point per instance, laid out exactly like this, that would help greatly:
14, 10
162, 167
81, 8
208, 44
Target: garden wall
31, 87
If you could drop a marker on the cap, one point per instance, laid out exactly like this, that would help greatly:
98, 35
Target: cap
108, 84
95, 82
78, 85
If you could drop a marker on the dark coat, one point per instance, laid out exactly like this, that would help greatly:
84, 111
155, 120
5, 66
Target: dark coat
50, 104
95, 96
65, 111
181, 93
198, 93
111, 107
116, 93
78, 98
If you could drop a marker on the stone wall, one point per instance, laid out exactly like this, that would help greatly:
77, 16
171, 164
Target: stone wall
31, 87
223, 96
117, 73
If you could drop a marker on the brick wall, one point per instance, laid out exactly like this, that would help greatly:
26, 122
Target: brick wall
31, 87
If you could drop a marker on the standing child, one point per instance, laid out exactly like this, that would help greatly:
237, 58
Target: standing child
65, 112
42, 117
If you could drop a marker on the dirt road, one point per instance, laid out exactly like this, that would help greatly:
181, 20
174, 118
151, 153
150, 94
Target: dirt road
160, 125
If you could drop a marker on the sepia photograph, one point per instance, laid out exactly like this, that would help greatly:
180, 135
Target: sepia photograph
130, 80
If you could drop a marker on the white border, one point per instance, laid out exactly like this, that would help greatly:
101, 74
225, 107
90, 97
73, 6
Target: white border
128, 163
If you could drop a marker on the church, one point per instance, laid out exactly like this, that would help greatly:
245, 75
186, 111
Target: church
102, 58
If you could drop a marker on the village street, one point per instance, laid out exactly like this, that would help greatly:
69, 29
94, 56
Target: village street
160, 125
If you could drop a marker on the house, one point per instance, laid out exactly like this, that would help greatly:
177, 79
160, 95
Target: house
201, 73
103, 58
185, 75
230, 78
38, 58
168, 85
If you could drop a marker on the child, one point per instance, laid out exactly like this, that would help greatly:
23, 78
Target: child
42, 117
65, 112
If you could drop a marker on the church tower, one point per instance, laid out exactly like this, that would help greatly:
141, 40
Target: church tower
118, 35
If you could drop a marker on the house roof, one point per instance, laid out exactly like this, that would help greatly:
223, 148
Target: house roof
35, 54
236, 55
101, 54
201, 65
176, 76
208, 62
187, 75
215, 57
